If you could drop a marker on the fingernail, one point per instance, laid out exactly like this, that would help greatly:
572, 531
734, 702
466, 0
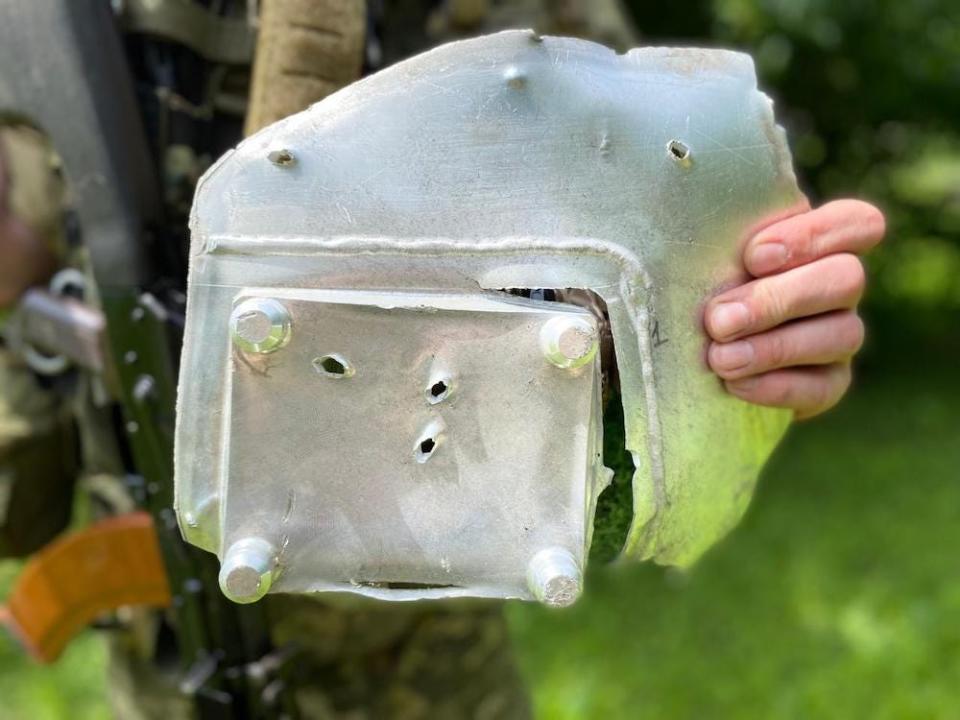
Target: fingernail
767, 257
731, 356
728, 319
743, 385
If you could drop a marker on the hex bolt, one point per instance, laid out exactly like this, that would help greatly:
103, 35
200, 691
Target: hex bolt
569, 342
247, 570
260, 325
554, 577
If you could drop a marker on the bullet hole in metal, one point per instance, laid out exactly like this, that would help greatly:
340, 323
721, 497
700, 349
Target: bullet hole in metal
333, 366
425, 449
438, 390
679, 151
283, 157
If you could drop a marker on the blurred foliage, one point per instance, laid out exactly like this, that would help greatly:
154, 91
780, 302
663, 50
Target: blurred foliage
869, 91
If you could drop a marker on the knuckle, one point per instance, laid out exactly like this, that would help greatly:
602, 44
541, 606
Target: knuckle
766, 304
775, 351
804, 247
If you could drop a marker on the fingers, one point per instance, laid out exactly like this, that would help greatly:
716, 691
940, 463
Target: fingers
842, 226
821, 340
808, 391
786, 339
832, 283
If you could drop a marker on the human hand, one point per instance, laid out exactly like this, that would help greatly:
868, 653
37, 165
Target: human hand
786, 338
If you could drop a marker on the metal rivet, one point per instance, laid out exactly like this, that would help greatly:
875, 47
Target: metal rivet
554, 577
515, 78
247, 570
282, 157
569, 342
260, 325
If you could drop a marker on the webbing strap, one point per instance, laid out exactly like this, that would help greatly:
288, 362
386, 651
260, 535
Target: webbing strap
217, 38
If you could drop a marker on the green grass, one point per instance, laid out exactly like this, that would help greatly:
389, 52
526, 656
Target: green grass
838, 596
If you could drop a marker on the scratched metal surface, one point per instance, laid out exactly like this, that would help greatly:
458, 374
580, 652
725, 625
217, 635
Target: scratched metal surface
513, 161
329, 470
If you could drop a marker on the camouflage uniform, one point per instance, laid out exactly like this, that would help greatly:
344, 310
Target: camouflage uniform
359, 659
37, 465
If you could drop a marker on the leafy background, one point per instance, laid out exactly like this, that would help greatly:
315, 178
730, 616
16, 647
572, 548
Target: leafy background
839, 595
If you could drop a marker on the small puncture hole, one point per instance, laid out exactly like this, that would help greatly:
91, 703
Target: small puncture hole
332, 366
282, 157
438, 391
679, 151
425, 449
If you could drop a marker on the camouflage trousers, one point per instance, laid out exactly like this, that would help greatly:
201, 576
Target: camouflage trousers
366, 661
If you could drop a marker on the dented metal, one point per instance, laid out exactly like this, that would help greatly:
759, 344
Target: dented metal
409, 430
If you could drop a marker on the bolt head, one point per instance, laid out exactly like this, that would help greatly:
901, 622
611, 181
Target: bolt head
569, 342
260, 325
554, 577
247, 570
